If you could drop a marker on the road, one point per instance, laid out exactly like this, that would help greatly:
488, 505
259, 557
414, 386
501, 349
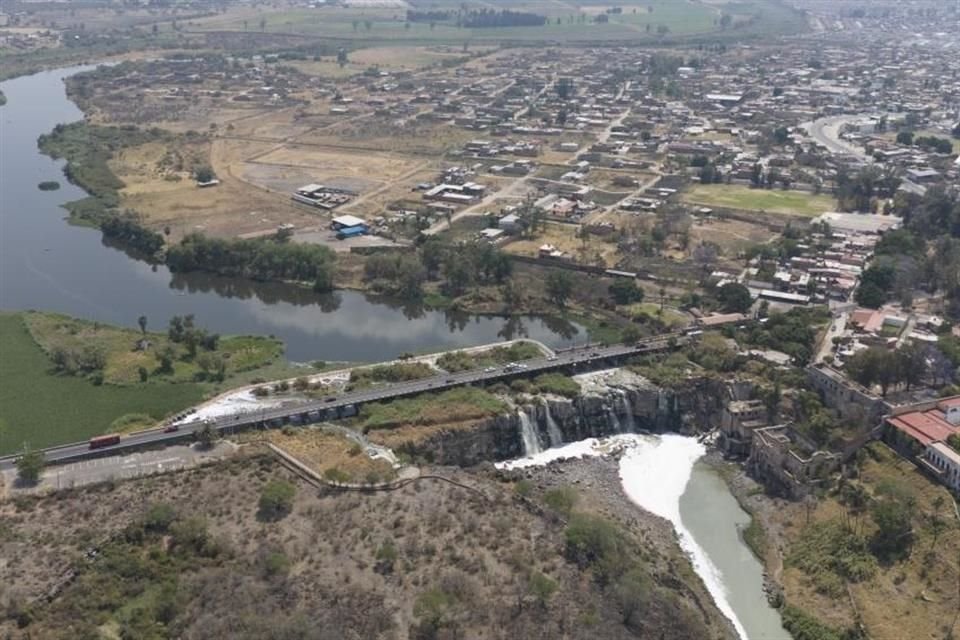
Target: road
122, 466
314, 411
826, 131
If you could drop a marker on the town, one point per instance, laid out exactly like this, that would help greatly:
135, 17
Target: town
630, 320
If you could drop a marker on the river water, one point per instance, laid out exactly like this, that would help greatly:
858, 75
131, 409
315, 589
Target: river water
663, 474
47, 264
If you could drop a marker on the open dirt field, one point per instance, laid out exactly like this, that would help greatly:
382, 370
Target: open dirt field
334, 167
731, 236
591, 251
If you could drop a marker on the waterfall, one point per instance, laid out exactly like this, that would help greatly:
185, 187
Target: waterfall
556, 436
627, 410
613, 417
528, 432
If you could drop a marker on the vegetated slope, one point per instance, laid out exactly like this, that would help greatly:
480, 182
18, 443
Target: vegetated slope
190, 556
881, 551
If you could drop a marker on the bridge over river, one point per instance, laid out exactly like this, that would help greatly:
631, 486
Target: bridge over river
348, 404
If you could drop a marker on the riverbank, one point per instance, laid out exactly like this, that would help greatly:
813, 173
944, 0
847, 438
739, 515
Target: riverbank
596, 486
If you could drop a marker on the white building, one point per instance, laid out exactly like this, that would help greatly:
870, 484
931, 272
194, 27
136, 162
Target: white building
946, 461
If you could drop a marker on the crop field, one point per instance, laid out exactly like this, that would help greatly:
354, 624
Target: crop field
680, 17
43, 409
798, 203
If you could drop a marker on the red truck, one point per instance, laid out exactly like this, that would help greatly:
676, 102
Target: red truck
99, 442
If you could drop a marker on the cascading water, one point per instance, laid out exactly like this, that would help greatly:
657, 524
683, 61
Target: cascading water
556, 436
528, 432
631, 425
612, 416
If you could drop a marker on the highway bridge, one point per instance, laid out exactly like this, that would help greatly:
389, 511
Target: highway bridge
348, 404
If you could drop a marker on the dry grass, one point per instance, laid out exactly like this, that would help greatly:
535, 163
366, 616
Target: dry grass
479, 551
591, 250
322, 451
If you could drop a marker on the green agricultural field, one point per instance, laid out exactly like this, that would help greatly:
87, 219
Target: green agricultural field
680, 17
42, 408
728, 196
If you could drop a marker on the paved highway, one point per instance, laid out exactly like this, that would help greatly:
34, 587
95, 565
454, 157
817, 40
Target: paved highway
316, 410
826, 131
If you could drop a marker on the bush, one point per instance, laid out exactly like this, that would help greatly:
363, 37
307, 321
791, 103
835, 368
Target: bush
334, 474
594, 542
557, 384
276, 563
803, 626
159, 517
523, 488
276, 499
561, 500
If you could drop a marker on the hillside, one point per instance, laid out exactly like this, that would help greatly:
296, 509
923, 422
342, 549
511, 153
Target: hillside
201, 555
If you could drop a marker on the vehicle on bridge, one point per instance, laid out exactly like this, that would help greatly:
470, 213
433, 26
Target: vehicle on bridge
99, 442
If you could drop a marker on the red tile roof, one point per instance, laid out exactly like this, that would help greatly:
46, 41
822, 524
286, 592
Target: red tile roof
949, 402
924, 426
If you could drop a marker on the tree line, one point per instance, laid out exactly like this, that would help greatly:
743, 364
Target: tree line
259, 259
459, 267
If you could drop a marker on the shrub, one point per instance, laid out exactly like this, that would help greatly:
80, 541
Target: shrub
159, 517
276, 499
561, 500
557, 384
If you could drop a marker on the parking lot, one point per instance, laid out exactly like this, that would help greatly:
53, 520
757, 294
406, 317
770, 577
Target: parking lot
120, 467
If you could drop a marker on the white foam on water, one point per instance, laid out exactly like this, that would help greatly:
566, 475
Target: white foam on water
578, 449
654, 473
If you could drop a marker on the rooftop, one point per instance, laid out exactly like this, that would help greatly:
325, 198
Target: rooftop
926, 427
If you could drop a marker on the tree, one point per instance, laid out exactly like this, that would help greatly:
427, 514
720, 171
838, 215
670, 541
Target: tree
342, 53
734, 298
625, 291
631, 592
204, 174
142, 321
206, 436
165, 356
30, 465
559, 287
276, 499
892, 511
870, 295
631, 334
905, 138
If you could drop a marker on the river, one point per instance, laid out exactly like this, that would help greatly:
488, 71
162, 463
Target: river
664, 475
48, 264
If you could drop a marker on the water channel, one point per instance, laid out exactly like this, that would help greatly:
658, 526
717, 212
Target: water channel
664, 475
48, 264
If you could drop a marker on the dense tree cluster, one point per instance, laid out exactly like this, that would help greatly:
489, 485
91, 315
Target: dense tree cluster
907, 365
793, 333
490, 18
860, 192
256, 259
432, 15
128, 230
